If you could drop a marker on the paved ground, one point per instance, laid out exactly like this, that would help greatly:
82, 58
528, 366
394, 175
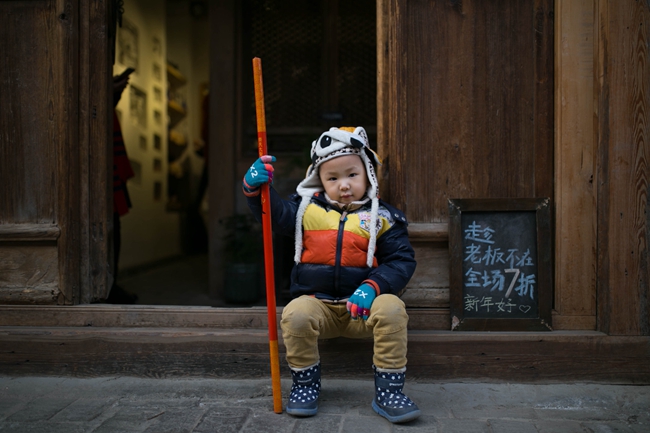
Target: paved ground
126, 404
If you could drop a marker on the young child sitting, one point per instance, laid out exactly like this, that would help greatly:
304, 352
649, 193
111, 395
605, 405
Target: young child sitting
352, 261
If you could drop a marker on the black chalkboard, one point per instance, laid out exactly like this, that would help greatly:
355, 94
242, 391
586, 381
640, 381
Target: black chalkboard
500, 264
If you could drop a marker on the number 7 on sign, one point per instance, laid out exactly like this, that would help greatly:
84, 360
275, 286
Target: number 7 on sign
514, 280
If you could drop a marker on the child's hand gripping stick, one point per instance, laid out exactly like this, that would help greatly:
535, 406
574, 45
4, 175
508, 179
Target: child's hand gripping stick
359, 303
259, 173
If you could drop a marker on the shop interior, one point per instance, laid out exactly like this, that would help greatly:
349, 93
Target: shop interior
319, 61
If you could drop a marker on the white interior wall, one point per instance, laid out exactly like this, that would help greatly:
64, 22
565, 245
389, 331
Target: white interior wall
149, 231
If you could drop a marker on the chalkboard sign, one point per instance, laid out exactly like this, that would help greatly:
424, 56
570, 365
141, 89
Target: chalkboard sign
500, 264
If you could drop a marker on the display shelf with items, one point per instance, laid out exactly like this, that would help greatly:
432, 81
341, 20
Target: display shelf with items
176, 100
179, 165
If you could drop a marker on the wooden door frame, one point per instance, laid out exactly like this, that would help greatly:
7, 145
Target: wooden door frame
96, 146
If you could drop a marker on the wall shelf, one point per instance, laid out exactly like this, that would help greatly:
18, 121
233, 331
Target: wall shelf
176, 113
175, 77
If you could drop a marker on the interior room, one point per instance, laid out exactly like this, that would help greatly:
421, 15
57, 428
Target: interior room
163, 256
319, 62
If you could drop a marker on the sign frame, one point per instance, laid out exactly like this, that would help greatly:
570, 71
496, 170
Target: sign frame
544, 259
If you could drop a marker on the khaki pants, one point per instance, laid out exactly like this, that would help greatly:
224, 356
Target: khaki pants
305, 320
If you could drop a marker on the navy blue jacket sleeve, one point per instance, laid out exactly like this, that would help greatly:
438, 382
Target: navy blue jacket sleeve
395, 259
283, 212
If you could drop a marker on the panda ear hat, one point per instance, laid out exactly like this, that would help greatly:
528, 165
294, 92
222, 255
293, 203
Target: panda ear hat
332, 144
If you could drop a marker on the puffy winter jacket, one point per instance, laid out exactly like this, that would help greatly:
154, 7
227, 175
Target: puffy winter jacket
333, 261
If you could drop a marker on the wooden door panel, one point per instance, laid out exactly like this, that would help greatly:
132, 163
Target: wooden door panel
467, 105
623, 262
30, 110
39, 152
466, 97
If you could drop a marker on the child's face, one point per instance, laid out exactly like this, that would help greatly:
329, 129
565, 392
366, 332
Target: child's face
344, 178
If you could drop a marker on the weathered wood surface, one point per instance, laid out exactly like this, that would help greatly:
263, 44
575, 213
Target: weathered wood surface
39, 142
192, 352
29, 232
426, 298
112, 316
571, 322
530, 357
96, 158
40, 295
575, 148
428, 232
32, 111
383, 85
469, 105
623, 95
71, 211
429, 285
29, 273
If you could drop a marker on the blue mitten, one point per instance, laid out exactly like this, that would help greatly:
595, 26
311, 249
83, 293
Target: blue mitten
359, 303
259, 173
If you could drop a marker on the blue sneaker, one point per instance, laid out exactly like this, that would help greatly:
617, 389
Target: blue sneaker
389, 400
303, 400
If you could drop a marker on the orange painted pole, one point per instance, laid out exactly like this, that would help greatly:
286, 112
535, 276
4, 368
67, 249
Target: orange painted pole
268, 242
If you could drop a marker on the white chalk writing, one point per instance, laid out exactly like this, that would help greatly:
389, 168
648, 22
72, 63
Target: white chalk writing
507, 272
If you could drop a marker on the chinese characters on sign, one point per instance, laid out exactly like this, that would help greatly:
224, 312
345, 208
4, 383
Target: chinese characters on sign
499, 266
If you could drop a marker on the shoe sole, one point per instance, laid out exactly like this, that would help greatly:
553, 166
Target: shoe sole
302, 412
410, 416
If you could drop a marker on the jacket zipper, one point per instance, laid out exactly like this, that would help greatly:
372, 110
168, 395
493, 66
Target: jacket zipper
339, 249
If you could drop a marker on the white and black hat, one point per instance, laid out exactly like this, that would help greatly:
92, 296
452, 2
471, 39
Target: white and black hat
332, 144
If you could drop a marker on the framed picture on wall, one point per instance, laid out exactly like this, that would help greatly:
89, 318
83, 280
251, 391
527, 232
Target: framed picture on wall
156, 71
127, 40
156, 46
138, 107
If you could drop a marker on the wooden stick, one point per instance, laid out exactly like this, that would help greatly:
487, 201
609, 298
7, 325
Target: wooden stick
268, 242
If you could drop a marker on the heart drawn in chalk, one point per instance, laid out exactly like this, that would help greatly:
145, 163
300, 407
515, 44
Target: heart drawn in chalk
524, 308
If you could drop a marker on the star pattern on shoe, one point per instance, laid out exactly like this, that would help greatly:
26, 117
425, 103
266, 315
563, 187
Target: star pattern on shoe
305, 393
390, 398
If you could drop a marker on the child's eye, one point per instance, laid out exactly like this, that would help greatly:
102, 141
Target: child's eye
332, 179
353, 174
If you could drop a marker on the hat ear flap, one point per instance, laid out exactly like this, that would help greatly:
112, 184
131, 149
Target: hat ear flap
374, 158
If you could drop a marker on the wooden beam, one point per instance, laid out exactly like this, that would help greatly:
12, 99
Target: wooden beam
575, 192
623, 152
96, 152
126, 316
382, 95
71, 211
241, 353
428, 232
29, 232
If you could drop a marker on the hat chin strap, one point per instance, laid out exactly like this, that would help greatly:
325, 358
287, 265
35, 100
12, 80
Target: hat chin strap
299, 216
349, 207
372, 244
